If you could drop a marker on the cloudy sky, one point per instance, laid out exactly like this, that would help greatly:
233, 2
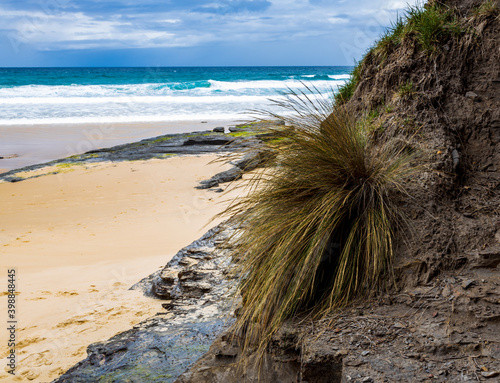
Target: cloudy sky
190, 32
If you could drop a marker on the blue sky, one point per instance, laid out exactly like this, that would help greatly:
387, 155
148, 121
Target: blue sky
190, 32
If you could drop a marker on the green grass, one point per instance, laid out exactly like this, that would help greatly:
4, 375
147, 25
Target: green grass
371, 123
432, 26
346, 91
391, 38
429, 26
406, 89
274, 141
318, 226
84, 156
66, 165
373, 114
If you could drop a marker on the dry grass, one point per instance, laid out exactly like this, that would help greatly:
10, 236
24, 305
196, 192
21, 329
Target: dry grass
318, 227
488, 9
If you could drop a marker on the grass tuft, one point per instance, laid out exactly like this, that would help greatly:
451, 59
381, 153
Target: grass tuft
431, 26
406, 89
391, 38
316, 230
346, 91
487, 9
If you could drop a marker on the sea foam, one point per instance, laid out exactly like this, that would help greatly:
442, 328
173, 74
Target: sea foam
135, 95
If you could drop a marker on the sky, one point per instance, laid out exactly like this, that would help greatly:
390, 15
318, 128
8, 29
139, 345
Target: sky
36, 33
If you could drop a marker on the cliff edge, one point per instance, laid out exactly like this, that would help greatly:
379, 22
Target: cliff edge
436, 89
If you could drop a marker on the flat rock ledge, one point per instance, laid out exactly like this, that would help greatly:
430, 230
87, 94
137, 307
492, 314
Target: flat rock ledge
163, 147
198, 309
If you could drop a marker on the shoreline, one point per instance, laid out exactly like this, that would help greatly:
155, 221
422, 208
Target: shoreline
82, 230
26, 145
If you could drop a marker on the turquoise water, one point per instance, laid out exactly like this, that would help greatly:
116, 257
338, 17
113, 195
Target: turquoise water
89, 95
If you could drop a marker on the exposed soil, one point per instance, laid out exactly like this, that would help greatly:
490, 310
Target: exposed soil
440, 322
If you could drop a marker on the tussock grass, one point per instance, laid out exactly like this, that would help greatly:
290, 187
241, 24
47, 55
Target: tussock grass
317, 228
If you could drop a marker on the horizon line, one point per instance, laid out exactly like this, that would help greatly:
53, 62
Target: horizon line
174, 66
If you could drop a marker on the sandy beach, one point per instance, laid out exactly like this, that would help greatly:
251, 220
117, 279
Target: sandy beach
24, 145
80, 238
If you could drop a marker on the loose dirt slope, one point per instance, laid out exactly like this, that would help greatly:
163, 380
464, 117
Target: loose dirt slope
441, 322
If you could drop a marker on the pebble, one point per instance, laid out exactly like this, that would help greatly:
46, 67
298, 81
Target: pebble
471, 95
490, 374
455, 158
467, 283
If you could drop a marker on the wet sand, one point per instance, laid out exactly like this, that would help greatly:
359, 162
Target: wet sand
33, 144
79, 239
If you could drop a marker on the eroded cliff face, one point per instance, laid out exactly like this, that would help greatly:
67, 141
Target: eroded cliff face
451, 114
441, 322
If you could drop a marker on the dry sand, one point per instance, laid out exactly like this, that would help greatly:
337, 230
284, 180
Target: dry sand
79, 239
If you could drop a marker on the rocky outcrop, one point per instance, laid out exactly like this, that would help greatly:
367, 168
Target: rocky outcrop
247, 162
197, 290
446, 331
162, 147
443, 331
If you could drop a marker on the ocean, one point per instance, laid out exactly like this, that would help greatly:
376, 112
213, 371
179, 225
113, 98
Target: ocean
31, 96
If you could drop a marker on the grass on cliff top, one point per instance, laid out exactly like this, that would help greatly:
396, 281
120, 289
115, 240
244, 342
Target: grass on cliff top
317, 227
430, 26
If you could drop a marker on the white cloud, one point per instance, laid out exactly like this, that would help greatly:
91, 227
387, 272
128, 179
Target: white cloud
337, 20
397, 4
45, 32
283, 21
